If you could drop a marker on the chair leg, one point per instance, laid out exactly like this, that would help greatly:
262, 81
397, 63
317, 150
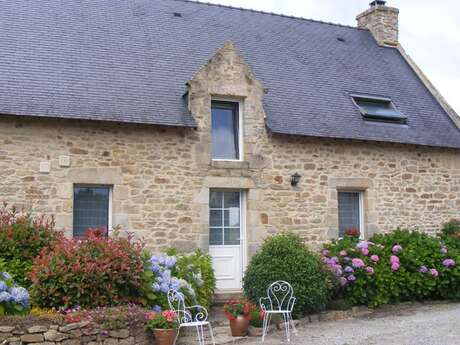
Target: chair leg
177, 336
212, 334
293, 325
287, 326
200, 336
264, 326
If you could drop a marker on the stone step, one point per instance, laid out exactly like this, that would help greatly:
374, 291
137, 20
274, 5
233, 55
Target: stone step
222, 296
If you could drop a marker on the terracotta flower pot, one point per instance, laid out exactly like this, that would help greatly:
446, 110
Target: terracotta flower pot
239, 326
164, 336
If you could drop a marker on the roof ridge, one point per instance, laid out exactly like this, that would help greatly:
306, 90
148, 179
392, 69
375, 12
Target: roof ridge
270, 13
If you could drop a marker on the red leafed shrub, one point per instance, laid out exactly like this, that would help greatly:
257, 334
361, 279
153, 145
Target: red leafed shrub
88, 272
22, 238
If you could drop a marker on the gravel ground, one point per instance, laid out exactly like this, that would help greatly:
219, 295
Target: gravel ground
437, 324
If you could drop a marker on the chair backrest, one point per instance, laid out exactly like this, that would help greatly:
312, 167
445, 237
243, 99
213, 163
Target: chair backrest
176, 302
280, 295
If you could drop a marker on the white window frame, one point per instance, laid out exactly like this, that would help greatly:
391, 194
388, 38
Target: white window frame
362, 229
240, 129
110, 213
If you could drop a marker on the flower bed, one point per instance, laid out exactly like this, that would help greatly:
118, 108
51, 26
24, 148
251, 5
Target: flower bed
394, 267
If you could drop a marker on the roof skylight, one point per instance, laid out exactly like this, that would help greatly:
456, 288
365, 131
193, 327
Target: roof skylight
379, 109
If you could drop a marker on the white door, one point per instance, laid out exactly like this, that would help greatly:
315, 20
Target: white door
226, 237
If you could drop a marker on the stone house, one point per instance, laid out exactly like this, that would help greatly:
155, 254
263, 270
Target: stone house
204, 126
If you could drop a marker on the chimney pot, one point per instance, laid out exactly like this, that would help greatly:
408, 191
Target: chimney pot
382, 22
378, 2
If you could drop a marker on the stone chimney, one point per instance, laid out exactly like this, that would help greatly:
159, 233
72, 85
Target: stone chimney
382, 21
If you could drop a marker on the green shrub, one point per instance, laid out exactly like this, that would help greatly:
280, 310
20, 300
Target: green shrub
390, 268
286, 257
451, 228
190, 274
196, 268
22, 237
89, 272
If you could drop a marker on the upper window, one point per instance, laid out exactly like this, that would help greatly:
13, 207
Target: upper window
225, 130
91, 208
350, 213
379, 109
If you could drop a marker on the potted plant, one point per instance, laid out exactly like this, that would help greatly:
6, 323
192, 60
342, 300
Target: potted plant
164, 326
352, 232
238, 313
256, 317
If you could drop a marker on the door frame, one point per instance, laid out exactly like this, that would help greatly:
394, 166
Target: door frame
243, 232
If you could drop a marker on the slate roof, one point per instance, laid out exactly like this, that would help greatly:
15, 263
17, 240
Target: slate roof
129, 60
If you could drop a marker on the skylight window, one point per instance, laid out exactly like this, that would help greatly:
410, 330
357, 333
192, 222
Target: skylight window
379, 109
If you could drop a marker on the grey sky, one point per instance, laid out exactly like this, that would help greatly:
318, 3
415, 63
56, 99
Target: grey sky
429, 31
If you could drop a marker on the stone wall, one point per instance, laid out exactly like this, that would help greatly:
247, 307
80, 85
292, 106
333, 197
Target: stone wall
49, 333
161, 176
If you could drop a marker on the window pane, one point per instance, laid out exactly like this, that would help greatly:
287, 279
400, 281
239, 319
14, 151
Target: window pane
231, 199
232, 236
215, 218
91, 209
232, 216
215, 199
225, 130
215, 236
349, 213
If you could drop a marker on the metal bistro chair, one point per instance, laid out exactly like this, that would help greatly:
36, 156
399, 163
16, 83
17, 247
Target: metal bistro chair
194, 316
280, 300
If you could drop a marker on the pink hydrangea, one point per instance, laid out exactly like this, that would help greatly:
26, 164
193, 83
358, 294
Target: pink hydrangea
365, 251
395, 266
362, 244
343, 253
434, 272
444, 250
396, 249
343, 281
375, 258
369, 270
357, 263
394, 259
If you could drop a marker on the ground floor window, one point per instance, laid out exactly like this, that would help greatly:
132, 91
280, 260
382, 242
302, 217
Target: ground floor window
91, 208
350, 212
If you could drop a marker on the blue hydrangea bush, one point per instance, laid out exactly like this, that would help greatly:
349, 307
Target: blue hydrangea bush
191, 275
14, 300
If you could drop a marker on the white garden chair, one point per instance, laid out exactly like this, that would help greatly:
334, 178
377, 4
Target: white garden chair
195, 316
280, 300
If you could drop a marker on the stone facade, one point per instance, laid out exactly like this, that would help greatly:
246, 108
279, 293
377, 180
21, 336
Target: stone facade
161, 176
382, 21
47, 332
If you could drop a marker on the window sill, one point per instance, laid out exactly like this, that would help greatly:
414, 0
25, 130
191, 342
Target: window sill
224, 164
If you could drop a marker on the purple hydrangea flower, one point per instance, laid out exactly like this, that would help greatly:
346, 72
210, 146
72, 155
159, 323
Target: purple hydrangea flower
362, 245
423, 269
396, 249
343, 281
170, 261
444, 250
156, 308
325, 252
434, 272
343, 253
3, 286
351, 278
20, 295
349, 269
6, 276
346, 259
370, 270
449, 263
